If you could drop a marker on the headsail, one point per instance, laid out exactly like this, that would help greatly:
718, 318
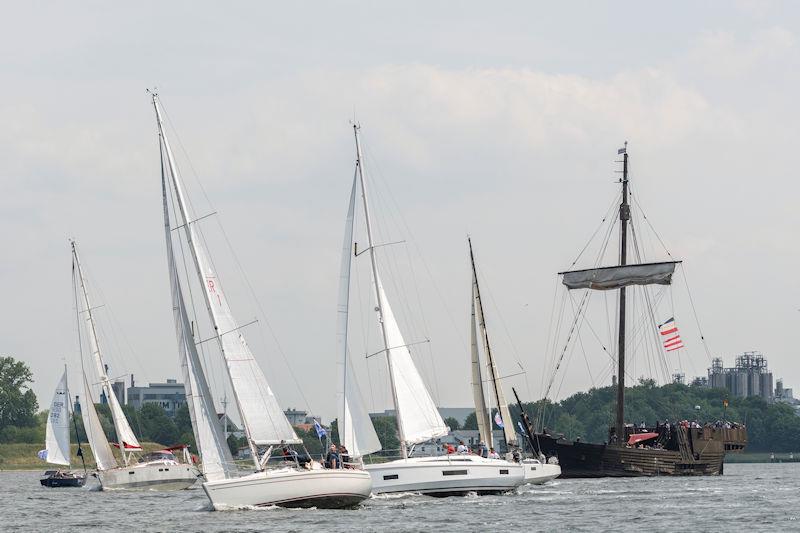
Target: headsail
263, 419
416, 410
481, 410
615, 277
103, 455
125, 437
215, 456
356, 431
57, 431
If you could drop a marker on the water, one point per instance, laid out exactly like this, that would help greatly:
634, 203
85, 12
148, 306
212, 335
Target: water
752, 497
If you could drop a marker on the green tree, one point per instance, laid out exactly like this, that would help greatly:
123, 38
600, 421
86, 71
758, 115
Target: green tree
452, 423
18, 403
471, 422
386, 428
157, 426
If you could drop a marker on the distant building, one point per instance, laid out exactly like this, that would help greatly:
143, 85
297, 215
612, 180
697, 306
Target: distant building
171, 396
459, 413
295, 416
749, 376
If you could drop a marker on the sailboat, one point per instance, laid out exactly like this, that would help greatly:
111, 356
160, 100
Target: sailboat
536, 471
290, 484
665, 449
418, 419
155, 471
57, 448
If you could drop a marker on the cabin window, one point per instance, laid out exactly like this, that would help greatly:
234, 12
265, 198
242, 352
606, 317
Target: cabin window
503, 471
390, 476
131, 472
454, 472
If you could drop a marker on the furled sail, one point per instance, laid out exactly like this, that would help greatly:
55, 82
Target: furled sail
262, 416
607, 278
125, 437
57, 430
417, 413
103, 456
215, 455
481, 411
356, 431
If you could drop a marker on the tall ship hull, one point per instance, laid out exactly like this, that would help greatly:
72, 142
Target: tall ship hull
692, 452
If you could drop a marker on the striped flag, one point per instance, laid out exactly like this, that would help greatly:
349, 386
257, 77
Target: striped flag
498, 420
671, 337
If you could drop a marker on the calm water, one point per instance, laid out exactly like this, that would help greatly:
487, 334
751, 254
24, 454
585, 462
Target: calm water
748, 497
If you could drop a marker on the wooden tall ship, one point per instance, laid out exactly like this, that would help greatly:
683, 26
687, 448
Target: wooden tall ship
680, 449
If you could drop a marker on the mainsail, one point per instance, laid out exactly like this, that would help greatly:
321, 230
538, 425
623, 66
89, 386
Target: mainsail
262, 417
57, 430
125, 436
491, 366
356, 431
615, 277
482, 413
215, 455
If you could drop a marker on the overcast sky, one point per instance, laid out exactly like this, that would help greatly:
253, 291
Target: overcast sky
497, 120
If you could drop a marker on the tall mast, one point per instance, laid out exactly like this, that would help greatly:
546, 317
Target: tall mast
191, 238
378, 299
624, 216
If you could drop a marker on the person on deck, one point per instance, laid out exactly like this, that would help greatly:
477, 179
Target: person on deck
450, 449
344, 456
462, 449
493, 454
332, 460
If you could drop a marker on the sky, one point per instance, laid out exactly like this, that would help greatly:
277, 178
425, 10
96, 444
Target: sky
498, 121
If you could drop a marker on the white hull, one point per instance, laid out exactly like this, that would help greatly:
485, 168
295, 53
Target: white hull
446, 475
149, 476
290, 487
537, 473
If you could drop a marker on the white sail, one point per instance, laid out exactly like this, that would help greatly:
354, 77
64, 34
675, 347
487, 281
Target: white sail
57, 430
417, 413
356, 431
482, 413
103, 455
262, 417
125, 437
215, 455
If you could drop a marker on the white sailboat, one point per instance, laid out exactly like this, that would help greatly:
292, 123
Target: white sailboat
418, 419
263, 420
536, 471
57, 448
158, 470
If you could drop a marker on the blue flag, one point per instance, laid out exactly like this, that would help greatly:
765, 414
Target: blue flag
498, 420
522, 429
319, 429
42, 455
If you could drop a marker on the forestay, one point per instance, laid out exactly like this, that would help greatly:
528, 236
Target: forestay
608, 278
419, 417
262, 416
103, 456
57, 430
356, 431
215, 455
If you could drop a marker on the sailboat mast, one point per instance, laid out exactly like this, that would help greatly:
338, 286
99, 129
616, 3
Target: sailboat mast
378, 299
188, 225
624, 216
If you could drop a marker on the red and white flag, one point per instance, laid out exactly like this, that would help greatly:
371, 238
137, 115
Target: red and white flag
671, 337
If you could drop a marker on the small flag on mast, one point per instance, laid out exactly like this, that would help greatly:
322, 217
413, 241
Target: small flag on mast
319, 429
669, 332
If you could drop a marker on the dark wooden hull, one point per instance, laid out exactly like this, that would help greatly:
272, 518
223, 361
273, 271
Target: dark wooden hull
699, 453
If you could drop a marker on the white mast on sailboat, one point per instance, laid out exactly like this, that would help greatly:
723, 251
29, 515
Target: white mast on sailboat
262, 417
125, 436
418, 419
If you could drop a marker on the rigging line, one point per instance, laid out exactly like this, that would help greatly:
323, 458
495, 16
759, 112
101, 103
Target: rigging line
502, 321
549, 334
658, 236
569, 337
552, 349
694, 311
607, 214
583, 350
